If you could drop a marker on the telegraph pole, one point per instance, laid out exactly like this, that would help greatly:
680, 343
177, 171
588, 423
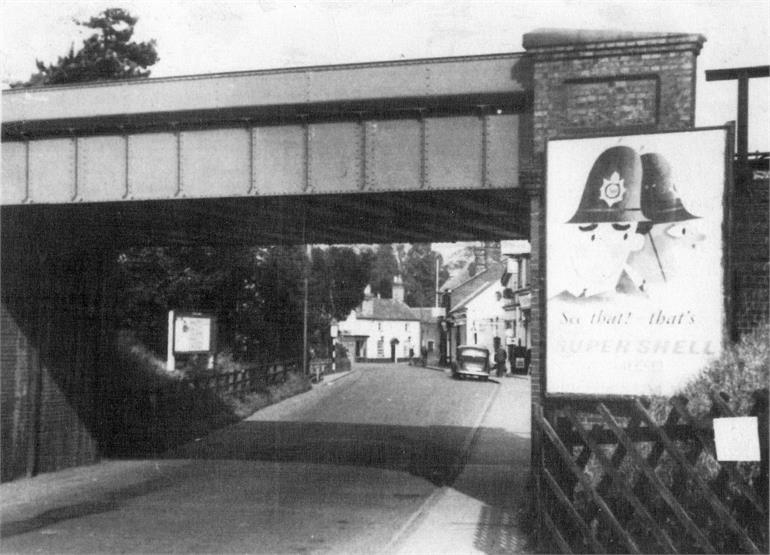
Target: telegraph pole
306, 280
742, 75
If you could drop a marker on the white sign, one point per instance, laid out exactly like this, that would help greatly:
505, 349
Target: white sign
192, 334
634, 287
737, 438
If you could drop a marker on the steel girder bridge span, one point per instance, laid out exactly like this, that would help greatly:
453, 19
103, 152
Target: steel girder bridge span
415, 151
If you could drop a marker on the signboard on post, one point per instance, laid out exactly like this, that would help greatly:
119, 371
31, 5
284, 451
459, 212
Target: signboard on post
635, 261
191, 333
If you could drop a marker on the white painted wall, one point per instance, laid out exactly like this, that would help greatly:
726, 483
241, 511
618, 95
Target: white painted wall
485, 318
386, 330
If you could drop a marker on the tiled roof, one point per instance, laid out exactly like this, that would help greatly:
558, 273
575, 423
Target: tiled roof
386, 309
462, 291
425, 314
461, 277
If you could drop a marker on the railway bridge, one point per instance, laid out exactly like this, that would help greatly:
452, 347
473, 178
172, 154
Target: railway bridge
446, 149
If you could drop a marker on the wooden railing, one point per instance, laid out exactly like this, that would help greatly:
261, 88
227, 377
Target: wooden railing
246, 380
318, 368
611, 480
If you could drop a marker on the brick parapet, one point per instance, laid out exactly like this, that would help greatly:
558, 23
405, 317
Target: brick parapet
644, 48
640, 84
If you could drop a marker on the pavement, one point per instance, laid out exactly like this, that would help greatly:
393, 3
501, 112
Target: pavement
483, 510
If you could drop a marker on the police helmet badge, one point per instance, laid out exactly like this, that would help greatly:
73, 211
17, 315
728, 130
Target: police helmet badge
612, 189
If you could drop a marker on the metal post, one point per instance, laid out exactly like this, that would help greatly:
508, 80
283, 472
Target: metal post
743, 119
305, 367
742, 75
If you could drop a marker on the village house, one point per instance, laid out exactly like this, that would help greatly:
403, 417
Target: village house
381, 329
474, 302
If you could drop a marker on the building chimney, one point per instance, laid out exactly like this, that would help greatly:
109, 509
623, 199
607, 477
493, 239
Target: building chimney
492, 252
480, 259
398, 289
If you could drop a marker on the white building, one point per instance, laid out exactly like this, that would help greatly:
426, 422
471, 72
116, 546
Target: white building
381, 329
477, 310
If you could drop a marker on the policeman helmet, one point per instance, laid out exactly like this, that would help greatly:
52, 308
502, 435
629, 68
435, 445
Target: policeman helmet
613, 189
660, 199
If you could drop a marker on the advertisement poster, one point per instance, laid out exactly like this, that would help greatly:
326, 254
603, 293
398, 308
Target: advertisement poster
192, 334
634, 289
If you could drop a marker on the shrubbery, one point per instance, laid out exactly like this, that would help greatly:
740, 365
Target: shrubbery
149, 409
740, 372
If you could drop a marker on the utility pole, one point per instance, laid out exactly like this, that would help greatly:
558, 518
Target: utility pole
306, 285
306, 281
742, 75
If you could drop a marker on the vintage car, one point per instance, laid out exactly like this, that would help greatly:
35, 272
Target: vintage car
472, 360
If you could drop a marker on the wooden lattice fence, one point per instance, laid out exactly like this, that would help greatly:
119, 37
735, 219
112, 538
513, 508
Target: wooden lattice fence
609, 479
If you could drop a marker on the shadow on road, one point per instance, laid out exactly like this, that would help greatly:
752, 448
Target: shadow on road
432, 452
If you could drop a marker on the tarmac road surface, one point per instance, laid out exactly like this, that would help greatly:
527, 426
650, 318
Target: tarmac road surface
389, 458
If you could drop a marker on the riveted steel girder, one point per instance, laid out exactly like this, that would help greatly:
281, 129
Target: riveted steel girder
420, 153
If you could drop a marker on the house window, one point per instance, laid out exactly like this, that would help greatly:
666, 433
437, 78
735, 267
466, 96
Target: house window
381, 347
430, 346
379, 326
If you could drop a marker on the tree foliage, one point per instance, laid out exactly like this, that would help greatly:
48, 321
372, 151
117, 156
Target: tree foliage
256, 293
416, 264
420, 275
338, 278
384, 267
107, 54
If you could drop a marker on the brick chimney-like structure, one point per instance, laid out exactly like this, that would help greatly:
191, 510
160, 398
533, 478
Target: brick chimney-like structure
398, 289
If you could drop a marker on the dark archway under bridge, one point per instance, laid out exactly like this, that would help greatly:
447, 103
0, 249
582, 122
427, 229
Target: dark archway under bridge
57, 262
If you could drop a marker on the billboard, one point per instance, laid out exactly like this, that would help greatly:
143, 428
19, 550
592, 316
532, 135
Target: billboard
634, 261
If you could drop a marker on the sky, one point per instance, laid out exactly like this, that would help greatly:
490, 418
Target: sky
206, 37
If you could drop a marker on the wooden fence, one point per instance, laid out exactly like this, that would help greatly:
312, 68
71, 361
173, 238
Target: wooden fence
318, 368
151, 416
611, 480
246, 380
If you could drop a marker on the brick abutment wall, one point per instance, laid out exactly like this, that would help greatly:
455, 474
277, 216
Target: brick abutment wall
750, 249
587, 85
591, 85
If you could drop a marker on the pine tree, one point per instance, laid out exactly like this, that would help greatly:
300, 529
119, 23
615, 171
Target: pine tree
105, 55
